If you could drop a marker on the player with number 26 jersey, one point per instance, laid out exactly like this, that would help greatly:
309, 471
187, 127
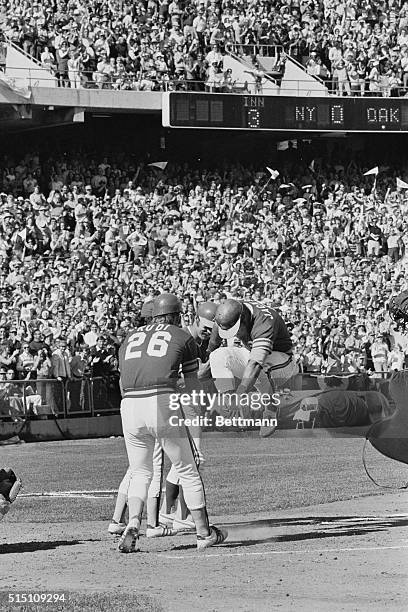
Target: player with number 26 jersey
158, 349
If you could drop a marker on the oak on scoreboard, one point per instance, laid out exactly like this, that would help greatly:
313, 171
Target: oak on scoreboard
278, 113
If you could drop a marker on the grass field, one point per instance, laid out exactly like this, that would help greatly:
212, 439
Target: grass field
286, 480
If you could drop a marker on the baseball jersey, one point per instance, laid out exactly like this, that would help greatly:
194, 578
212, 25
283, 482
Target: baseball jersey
152, 355
201, 344
266, 332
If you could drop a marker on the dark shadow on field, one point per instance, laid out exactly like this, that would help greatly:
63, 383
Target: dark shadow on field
253, 533
398, 521
23, 547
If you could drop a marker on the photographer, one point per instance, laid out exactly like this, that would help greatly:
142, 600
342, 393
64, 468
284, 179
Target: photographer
80, 372
42, 367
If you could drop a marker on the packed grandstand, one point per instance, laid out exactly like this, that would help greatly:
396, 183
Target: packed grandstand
85, 241
356, 47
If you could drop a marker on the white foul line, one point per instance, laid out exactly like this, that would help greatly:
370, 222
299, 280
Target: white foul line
74, 494
199, 555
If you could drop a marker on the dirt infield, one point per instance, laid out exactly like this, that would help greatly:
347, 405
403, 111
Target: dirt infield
341, 556
344, 555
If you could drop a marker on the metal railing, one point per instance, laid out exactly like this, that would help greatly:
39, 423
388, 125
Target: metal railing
275, 51
51, 398
144, 83
22, 400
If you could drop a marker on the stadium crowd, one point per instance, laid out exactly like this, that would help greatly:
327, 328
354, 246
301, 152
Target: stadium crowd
358, 47
85, 243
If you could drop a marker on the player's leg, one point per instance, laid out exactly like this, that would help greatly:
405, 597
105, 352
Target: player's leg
227, 366
154, 494
10, 486
117, 525
175, 442
179, 452
139, 445
172, 490
228, 363
154, 528
279, 368
195, 436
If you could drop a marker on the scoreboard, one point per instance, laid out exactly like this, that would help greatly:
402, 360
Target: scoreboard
278, 113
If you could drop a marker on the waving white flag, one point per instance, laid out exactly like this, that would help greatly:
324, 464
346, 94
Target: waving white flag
158, 165
372, 171
401, 184
274, 173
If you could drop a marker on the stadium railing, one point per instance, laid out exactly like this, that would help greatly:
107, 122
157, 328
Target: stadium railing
149, 84
22, 400
255, 49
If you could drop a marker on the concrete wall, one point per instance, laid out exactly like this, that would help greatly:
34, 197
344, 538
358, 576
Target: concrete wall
296, 82
20, 67
238, 72
76, 429
90, 99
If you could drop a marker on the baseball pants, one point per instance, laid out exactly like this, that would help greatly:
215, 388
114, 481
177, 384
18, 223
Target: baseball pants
190, 412
228, 363
148, 417
156, 483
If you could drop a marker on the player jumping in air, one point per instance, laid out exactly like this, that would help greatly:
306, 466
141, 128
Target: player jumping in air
266, 360
150, 359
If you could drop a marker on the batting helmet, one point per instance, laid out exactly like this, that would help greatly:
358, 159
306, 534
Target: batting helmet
206, 312
398, 307
228, 318
147, 310
166, 303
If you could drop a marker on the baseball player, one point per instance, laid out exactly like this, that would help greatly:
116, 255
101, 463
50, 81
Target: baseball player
266, 359
390, 435
150, 359
153, 530
10, 486
200, 330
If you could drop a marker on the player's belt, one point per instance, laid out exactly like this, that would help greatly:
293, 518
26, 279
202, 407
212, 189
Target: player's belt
143, 393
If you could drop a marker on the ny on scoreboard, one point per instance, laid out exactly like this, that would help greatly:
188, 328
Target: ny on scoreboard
250, 112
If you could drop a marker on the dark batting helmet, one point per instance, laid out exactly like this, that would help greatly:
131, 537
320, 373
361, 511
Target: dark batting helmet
206, 311
228, 318
166, 303
398, 307
147, 310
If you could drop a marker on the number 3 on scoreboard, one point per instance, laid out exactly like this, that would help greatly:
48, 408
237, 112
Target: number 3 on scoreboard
157, 347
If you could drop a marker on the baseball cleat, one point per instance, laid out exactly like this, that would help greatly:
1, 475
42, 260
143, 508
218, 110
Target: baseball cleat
183, 524
166, 519
128, 540
217, 536
267, 430
161, 531
116, 528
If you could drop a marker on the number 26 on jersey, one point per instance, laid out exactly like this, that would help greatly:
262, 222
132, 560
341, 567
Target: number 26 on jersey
157, 345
